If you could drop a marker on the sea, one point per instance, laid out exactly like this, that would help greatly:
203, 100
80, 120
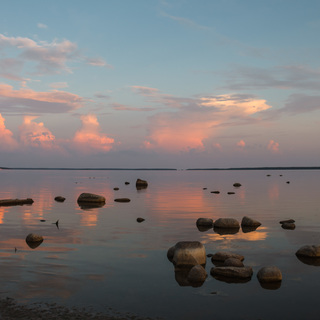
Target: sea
103, 259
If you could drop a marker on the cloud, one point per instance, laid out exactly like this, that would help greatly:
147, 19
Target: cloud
26, 100
35, 134
42, 25
241, 144
46, 57
279, 77
301, 103
122, 107
273, 146
59, 85
8, 143
89, 139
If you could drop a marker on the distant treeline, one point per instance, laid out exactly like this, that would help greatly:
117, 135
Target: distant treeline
262, 168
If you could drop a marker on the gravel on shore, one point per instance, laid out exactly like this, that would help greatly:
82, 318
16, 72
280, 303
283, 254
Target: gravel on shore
11, 310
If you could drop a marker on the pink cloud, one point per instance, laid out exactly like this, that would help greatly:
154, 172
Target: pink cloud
36, 134
89, 138
8, 143
38, 102
273, 146
241, 144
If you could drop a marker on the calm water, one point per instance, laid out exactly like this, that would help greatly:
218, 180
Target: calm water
103, 258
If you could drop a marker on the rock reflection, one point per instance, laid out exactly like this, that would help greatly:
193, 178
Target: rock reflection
309, 261
230, 279
248, 229
224, 231
271, 285
33, 245
90, 205
203, 228
184, 280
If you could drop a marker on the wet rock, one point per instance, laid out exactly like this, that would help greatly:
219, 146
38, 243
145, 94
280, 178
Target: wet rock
233, 262
127, 182
34, 240
269, 274
287, 221
91, 198
232, 272
288, 182
309, 251
140, 220
122, 200
229, 223
15, 202
187, 253
237, 184
231, 192
216, 192
116, 188
141, 184
204, 188
223, 255
197, 275
249, 222
60, 199
206, 222
288, 225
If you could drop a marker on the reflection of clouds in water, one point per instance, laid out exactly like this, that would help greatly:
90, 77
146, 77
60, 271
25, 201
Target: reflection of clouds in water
258, 235
273, 192
3, 210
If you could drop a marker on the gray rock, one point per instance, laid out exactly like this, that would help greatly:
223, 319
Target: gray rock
233, 262
269, 274
232, 272
207, 222
187, 253
249, 222
197, 274
222, 256
309, 251
226, 223
90, 197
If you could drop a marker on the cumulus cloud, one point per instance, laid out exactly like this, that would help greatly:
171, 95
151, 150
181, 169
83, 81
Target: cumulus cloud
36, 134
89, 138
8, 143
27, 100
273, 146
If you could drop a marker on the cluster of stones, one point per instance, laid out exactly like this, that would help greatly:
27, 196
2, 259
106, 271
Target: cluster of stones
230, 224
288, 224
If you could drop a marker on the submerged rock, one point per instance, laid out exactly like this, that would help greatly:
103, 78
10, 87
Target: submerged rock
223, 255
288, 225
269, 274
216, 192
15, 202
140, 220
237, 184
122, 200
197, 275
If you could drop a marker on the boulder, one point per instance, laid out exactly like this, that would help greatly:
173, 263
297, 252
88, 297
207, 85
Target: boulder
233, 262
141, 184
60, 199
32, 237
187, 253
232, 272
15, 202
237, 184
287, 221
127, 182
206, 222
249, 222
91, 198
140, 220
288, 225
197, 275
269, 274
309, 251
122, 200
226, 223
222, 256
116, 188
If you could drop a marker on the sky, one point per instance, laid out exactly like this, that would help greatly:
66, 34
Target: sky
159, 84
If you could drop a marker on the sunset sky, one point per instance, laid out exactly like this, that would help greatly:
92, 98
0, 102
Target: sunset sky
151, 83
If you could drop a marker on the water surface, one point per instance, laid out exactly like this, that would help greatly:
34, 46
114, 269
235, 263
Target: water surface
101, 257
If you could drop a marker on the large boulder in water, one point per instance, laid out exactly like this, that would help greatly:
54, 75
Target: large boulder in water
223, 256
34, 240
187, 253
228, 223
249, 222
309, 251
141, 184
232, 272
269, 274
91, 198
205, 222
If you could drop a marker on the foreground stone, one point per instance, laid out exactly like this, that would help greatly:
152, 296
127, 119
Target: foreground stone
232, 272
141, 183
122, 200
249, 222
289, 226
269, 274
187, 253
309, 251
197, 275
91, 197
15, 202
205, 222
32, 237
60, 199
226, 223
222, 256
233, 262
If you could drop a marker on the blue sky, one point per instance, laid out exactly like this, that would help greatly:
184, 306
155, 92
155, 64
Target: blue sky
179, 84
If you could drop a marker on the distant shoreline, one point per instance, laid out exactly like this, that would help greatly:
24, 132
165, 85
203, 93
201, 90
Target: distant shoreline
168, 169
